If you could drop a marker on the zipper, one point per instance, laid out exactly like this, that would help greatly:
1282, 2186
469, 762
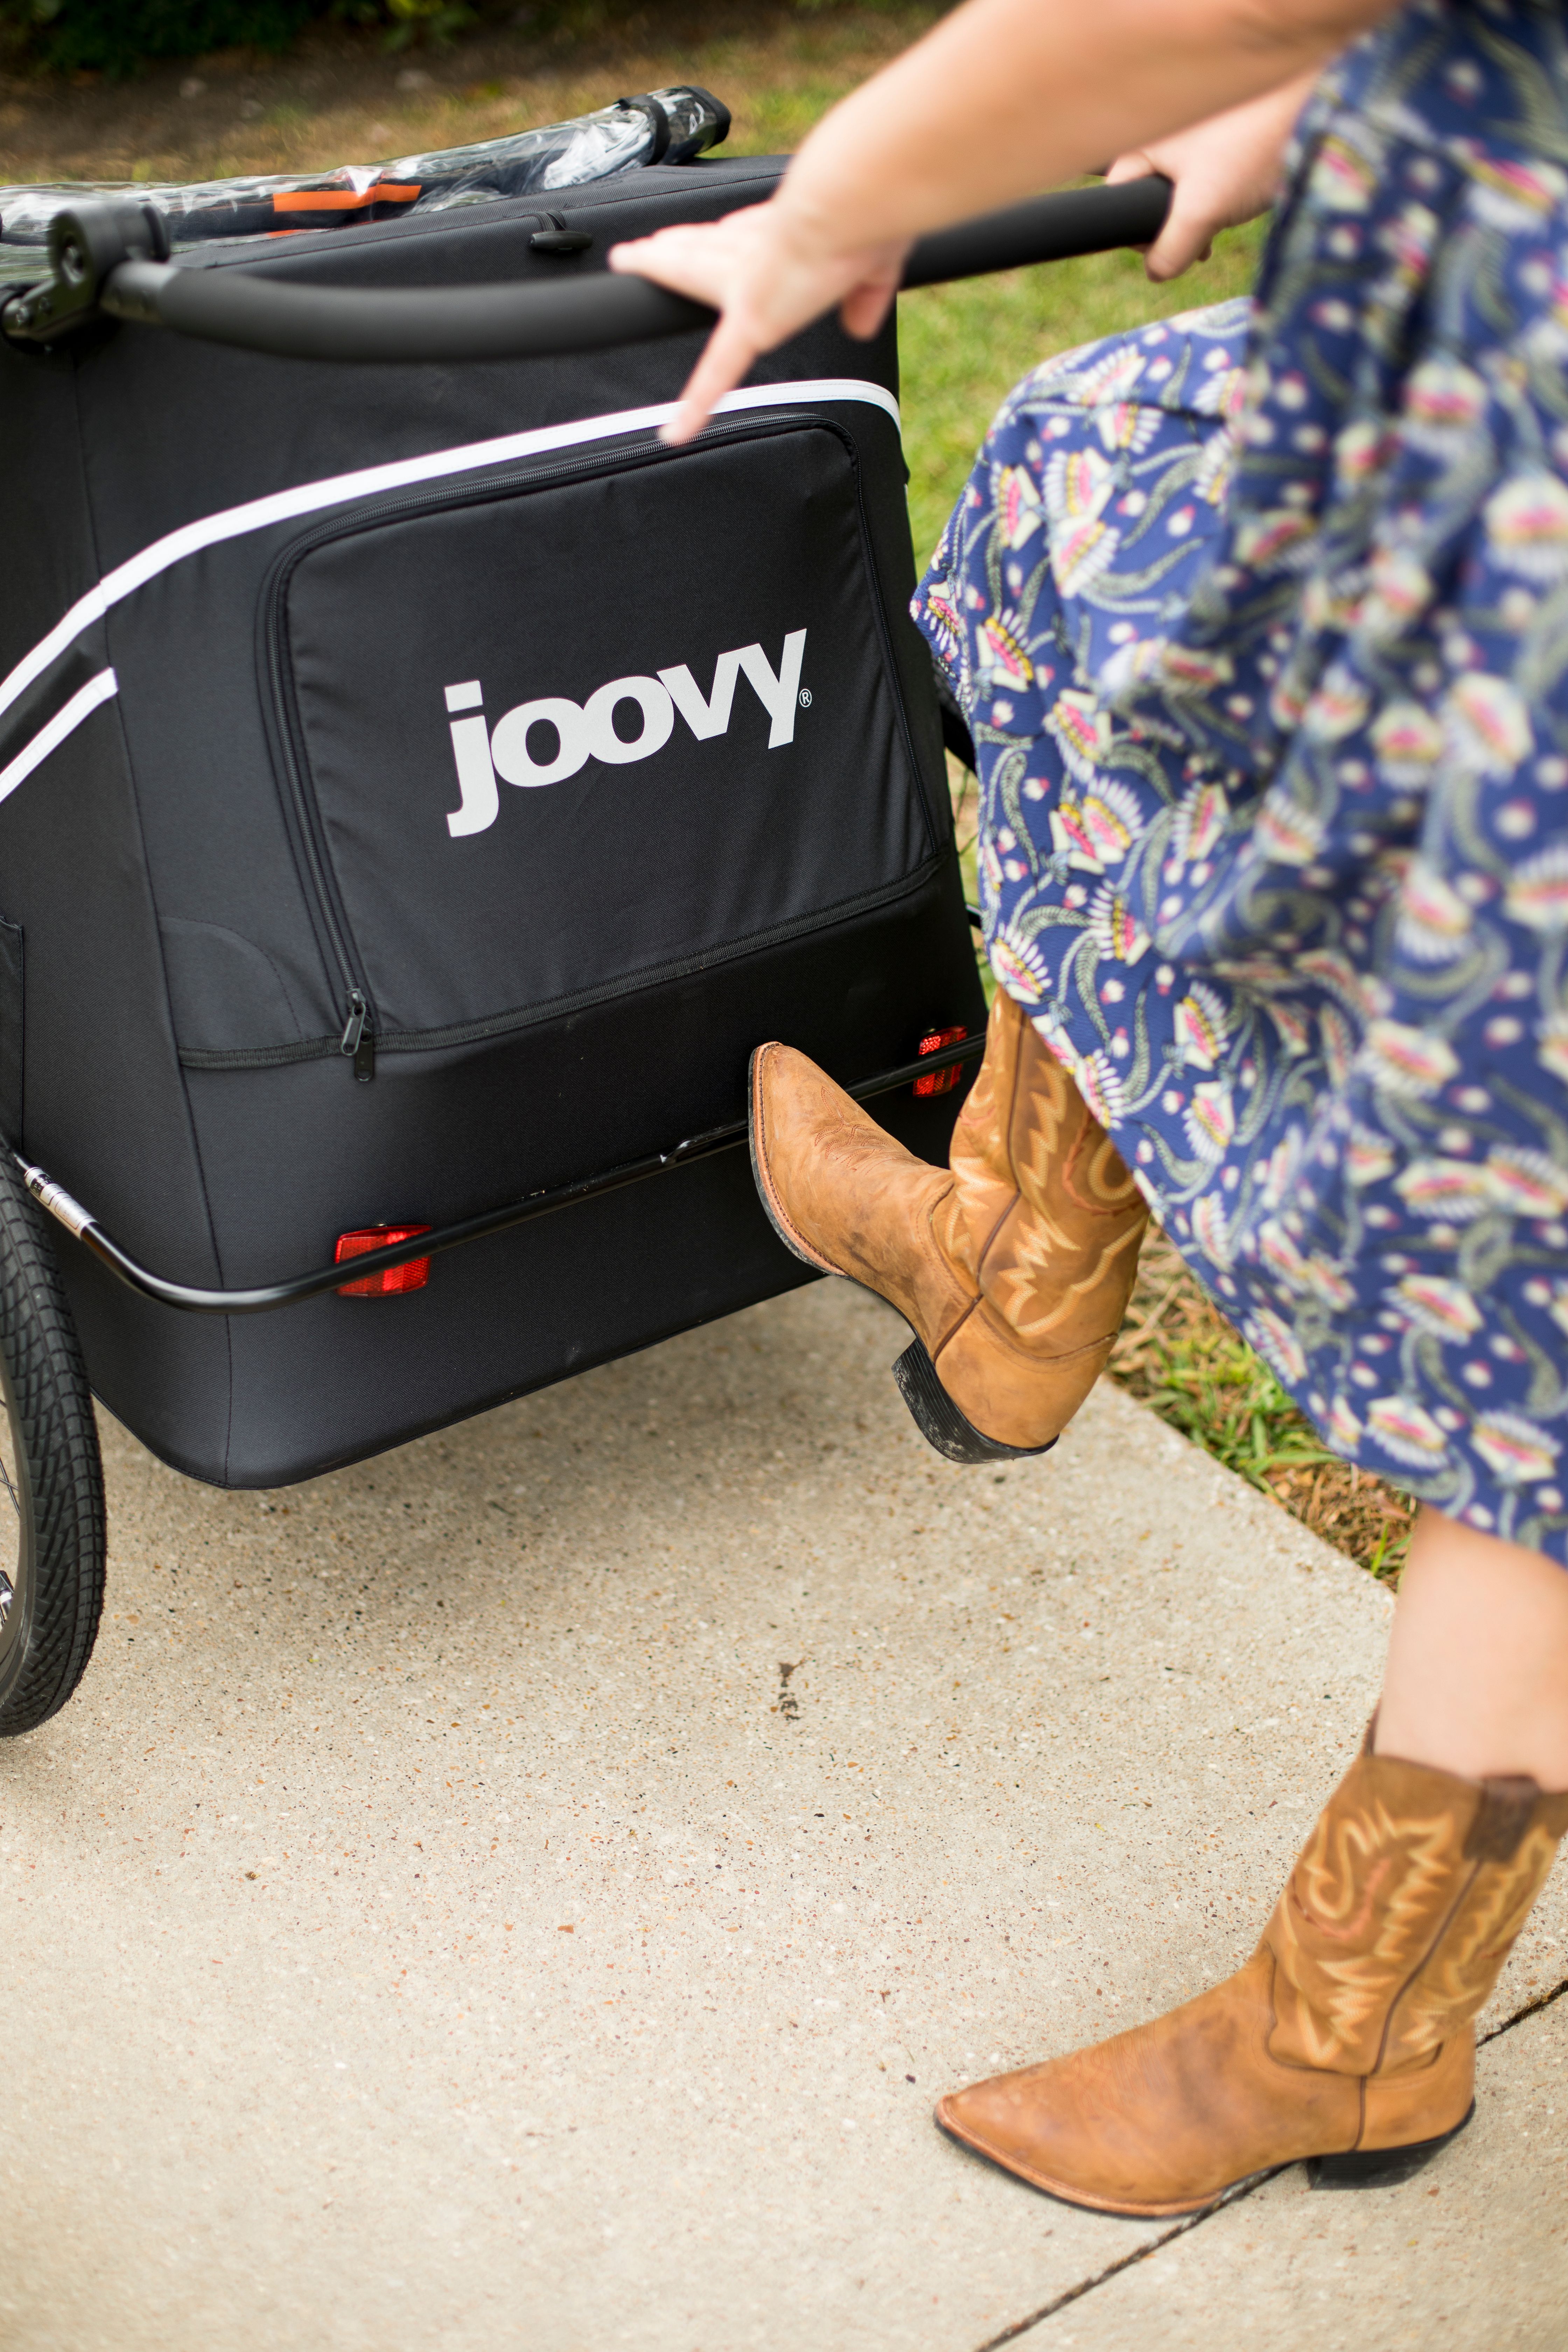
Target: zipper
512, 1023
358, 1044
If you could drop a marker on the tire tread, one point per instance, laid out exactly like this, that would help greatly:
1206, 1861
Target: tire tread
59, 1436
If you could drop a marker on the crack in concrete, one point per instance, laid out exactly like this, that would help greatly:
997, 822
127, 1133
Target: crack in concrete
1229, 2197
1531, 2008
1138, 2254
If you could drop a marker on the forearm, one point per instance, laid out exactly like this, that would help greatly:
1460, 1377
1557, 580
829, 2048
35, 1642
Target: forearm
959, 124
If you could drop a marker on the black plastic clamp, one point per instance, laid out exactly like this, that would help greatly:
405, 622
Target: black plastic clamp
85, 246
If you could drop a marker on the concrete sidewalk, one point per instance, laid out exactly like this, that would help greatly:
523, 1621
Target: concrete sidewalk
528, 1891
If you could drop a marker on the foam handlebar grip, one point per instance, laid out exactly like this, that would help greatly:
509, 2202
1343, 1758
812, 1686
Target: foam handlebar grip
1047, 228
255, 312
435, 323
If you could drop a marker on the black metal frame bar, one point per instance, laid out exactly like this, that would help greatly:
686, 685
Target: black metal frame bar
192, 1300
112, 259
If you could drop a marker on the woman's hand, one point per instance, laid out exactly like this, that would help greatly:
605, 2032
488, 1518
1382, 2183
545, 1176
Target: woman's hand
1000, 98
1225, 170
768, 274
770, 271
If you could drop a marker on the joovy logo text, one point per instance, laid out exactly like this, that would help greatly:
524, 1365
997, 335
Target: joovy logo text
587, 730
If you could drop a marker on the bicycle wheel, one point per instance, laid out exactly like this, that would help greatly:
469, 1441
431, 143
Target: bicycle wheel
51, 1480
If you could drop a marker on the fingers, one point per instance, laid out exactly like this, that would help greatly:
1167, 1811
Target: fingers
725, 363
767, 281
706, 264
689, 261
1190, 223
862, 312
1187, 236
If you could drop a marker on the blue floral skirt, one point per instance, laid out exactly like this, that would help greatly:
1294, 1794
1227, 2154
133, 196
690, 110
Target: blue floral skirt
1261, 620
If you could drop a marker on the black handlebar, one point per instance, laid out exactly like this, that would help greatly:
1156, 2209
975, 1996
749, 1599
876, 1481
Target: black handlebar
504, 322
113, 258
1046, 228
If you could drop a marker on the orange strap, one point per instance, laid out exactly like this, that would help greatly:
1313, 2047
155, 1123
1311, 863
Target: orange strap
345, 200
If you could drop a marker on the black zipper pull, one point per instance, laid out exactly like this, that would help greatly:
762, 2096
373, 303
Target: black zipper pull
357, 1041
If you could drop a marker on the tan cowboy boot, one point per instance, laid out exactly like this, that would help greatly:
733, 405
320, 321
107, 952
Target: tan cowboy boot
1013, 1266
1347, 2037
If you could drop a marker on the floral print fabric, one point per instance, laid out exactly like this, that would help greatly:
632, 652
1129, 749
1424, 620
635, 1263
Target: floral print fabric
1260, 619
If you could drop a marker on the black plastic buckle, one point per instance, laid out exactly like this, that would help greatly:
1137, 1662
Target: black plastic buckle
85, 245
558, 239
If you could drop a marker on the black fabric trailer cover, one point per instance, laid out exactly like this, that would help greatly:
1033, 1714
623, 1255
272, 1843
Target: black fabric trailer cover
421, 786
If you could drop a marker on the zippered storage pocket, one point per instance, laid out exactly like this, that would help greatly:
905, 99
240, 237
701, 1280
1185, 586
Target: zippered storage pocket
569, 732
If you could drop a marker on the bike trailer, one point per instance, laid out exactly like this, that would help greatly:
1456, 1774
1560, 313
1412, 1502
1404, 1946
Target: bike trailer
420, 790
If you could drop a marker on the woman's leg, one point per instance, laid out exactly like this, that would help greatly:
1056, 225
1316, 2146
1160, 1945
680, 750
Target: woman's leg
1012, 1266
1349, 2035
1477, 1680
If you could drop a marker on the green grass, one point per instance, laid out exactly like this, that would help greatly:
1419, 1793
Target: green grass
1178, 1355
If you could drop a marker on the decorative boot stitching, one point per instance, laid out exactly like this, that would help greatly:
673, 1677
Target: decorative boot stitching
1015, 1089
994, 1236
1424, 1962
1094, 1207
1006, 1126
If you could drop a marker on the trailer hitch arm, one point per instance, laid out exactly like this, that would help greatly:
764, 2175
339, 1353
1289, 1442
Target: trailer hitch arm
84, 1227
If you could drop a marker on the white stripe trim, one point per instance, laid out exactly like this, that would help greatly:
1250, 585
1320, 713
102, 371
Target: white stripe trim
66, 721
338, 490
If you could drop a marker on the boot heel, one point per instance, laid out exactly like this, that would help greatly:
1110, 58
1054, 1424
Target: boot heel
1380, 2168
939, 1420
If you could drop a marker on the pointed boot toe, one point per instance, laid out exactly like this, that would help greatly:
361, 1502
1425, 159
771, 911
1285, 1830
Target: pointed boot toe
843, 1194
1009, 2119
1012, 1267
1155, 2122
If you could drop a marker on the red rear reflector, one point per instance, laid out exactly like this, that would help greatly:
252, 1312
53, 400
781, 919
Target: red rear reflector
392, 1280
940, 1082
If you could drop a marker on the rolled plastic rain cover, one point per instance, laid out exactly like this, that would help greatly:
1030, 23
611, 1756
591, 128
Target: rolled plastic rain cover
562, 734
662, 125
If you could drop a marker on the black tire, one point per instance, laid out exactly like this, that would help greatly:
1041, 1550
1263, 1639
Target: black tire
51, 1479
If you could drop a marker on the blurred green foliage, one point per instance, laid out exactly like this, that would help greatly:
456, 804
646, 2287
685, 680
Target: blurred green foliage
114, 36
117, 37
